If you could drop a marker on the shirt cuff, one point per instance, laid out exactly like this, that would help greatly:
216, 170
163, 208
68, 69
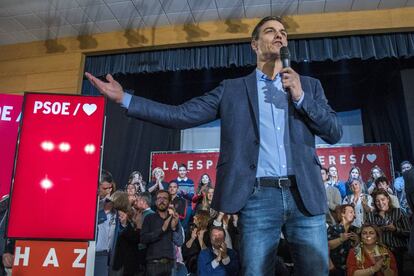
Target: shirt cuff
217, 223
226, 260
298, 104
126, 100
214, 264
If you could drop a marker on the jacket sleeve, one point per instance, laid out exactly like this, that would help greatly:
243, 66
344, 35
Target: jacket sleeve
194, 112
318, 115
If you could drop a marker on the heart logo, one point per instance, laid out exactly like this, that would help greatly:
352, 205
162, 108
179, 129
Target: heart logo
89, 109
371, 157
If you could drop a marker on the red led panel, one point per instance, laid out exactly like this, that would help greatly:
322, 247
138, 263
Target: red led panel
54, 192
10, 108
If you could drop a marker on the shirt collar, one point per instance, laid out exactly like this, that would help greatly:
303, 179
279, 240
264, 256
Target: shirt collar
182, 179
263, 77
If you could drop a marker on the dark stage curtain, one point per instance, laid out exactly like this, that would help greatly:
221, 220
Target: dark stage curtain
378, 46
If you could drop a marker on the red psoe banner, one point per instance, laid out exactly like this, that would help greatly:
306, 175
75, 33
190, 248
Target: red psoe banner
57, 168
364, 156
10, 109
50, 258
197, 162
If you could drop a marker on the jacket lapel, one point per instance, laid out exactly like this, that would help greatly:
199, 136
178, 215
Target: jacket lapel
251, 85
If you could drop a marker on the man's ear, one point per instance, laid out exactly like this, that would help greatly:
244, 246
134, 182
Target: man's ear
253, 43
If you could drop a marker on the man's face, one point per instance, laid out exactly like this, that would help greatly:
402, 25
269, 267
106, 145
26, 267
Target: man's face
406, 167
173, 188
333, 172
217, 238
105, 189
210, 194
272, 37
324, 175
162, 202
182, 172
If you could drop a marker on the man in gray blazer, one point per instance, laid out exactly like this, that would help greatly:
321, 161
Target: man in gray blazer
268, 170
409, 191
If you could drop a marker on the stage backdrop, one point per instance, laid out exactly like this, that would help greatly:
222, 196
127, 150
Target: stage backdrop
364, 156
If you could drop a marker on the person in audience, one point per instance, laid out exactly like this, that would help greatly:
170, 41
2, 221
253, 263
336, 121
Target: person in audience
383, 183
203, 185
370, 256
333, 197
126, 256
341, 238
160, 232
136, 178
196, 239
409, 191
179, 203
335, 182
399, 186
157, 183
218, 259
354, 173
131, 189
143, 207
362, 202
186, 191
106, 228
394, 225
376, 172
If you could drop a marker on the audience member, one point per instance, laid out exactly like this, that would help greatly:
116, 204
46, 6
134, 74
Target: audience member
376, 172
186, 191
394, 225
333, 197
383, 183
362, 202
218, 259
399, 186
179, 203
370, 256
335, 182
160, 232
136, 178
202, 189
157, 183
341, 238
354, 173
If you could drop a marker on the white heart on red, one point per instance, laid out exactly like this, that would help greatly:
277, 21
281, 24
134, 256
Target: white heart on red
89, 109
372, 157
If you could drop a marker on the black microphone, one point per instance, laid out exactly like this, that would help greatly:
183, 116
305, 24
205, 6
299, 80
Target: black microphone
285, 56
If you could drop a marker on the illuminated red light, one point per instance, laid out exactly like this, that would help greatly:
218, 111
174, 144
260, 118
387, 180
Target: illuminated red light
90, 148
64, 147
46, 183
47, 145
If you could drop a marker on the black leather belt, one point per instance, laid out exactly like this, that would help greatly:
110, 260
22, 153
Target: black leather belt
160, 261
277, 182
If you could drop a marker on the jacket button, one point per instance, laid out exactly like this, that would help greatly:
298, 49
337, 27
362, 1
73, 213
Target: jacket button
252, 166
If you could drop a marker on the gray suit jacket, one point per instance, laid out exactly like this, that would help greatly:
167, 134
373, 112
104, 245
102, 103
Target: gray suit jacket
235, 102
409, 191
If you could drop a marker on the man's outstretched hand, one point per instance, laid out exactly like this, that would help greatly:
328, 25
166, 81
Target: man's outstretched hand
112, 89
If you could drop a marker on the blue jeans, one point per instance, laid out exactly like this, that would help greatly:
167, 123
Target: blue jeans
267, 212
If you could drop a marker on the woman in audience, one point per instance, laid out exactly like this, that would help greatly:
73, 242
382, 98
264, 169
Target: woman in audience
197, 238
362, 202
354, 173
131, 189
203, 185
157, 183
341, 238
393, 224
136, 178
375, 173
370, 256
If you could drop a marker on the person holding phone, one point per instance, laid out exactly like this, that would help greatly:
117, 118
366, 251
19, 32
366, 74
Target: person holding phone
370, 256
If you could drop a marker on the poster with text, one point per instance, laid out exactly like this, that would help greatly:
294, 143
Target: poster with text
10, 108
54, 192
364, 156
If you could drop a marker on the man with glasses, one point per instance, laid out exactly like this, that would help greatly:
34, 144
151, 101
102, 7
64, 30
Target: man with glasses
160, 232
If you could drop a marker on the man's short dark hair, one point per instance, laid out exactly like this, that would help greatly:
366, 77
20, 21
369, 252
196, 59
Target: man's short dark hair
106, 177
163, 191
405, 162
381, 179
256, 30
182, 165
325, 169
219, 228
146, 196
173, 181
